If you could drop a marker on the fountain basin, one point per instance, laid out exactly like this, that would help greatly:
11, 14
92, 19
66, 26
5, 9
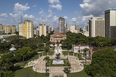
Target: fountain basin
58, 61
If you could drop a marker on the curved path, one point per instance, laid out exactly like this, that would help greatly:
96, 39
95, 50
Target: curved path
39, 65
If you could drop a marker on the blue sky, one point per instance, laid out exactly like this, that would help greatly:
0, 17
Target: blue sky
75, 12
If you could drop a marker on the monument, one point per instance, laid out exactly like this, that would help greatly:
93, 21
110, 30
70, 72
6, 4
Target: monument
58, 60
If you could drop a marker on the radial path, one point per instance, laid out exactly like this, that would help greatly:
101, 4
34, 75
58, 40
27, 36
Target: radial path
39, 65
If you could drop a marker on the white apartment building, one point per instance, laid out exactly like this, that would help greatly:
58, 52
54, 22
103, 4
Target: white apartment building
97, 27
74, 28
42, 29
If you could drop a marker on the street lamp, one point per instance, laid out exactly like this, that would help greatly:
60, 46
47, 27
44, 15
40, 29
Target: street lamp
46, 66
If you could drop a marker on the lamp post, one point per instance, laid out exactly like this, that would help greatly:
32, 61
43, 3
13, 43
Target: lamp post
46, 66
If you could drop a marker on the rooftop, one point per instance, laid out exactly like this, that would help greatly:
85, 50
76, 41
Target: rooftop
59, 34
99, 48
80, 45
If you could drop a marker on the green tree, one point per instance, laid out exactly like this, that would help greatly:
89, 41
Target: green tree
46, 60
23, 53
8, 74
67, 69
85, 51
103, 63
46, 49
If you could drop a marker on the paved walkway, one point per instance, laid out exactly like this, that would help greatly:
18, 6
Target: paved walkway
39, 65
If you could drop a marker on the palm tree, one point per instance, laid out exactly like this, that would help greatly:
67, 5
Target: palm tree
85, 50
66, 69
46, 60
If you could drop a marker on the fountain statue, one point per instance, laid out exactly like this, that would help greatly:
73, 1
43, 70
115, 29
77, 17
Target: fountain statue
58, 60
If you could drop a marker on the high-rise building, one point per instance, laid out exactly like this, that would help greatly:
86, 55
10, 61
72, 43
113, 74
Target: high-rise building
49, 29
56, 30
10, 29
110, 23
42, 29
1, 27
74, 28
86, 28
97, 27
22, 29
36, 31
26, 29
61, 25
66, 27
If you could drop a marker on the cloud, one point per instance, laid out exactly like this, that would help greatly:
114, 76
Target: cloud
3, 15
28, 16
18, 12
19, 7
96, 7
55, 18
65, 17
50, 15
34, 5
2, 19
86, 18
41, 11
53, 1
57, 6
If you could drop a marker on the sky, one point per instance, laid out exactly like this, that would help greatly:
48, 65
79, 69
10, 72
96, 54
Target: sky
75, 12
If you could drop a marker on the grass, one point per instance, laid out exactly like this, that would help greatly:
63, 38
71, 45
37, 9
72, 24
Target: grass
78, 74
66, 63
34, 57
28, 72
71, 53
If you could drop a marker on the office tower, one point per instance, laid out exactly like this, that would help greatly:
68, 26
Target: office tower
1, 27
56, 30
42, 29
74, 28
36, 31
22, 29
66, 27
26, 29
97, 27
10, 29
49, 29
61, 25
110, 23
86, 28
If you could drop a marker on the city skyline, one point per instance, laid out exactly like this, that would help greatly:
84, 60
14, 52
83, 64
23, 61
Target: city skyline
48, 11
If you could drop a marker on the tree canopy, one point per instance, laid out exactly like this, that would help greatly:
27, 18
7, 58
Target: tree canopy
103, 63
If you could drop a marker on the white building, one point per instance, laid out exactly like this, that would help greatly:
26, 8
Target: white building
97, 27
74, 29
79, 48
42, 29
3, 37
36, 32
49, 29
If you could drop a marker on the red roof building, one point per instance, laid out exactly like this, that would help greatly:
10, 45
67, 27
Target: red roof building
57, 37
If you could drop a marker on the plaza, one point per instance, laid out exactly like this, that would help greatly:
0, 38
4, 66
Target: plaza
39, 65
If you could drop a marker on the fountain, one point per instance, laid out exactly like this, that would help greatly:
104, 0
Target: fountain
58, 60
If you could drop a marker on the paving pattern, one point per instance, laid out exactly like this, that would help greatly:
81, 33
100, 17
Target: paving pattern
56, 71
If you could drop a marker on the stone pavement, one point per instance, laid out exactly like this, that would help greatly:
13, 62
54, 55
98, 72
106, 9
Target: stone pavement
56, 71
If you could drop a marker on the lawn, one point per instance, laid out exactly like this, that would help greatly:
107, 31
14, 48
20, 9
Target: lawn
71, 53
78, 74
28, 72
34, 57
